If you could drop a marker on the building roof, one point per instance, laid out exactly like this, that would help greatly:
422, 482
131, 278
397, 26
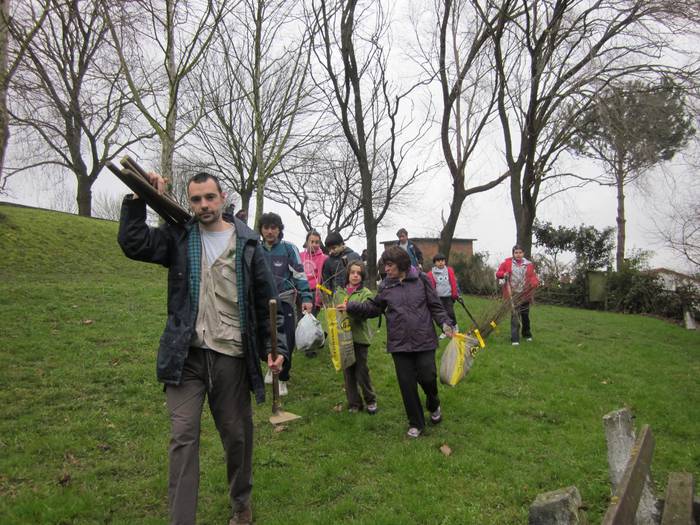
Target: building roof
431, 239
674, 273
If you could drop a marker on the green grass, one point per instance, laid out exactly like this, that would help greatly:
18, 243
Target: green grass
84, 431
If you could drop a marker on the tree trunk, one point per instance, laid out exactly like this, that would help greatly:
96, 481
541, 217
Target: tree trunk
245, 201
620, 250
84, 196
523, 211
167, 152
523, 224
259, 195
4, 117
168, 139
448, 230
257, 114
368, 211
372, 256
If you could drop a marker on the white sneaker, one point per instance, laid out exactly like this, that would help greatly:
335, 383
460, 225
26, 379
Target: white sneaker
442, 336
413, 432
268, 377
283, 388
515, 343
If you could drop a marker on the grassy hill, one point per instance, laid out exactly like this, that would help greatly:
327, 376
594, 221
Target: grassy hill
84, 430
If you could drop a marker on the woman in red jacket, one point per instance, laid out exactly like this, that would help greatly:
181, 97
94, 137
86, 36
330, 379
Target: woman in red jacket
519, 274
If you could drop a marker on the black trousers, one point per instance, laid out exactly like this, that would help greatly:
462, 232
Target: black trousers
358, 375
449, 305
520, 318
413, 369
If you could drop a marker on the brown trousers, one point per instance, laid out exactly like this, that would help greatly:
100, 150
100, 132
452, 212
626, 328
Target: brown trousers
224, 381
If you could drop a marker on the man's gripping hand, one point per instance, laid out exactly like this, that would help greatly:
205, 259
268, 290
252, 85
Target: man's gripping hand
275, 365
155, 180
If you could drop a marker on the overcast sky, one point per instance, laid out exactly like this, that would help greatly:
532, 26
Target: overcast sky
486, 217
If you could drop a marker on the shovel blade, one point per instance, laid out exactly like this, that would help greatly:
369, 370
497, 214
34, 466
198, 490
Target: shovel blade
281, 416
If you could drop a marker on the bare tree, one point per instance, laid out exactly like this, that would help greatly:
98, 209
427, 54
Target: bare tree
354, 57
14, 40
66, 99
674, 208
59, 191
554, 55
107, 206
681, 232
324, 192
258, 100
5, 76
456, 55
160, 44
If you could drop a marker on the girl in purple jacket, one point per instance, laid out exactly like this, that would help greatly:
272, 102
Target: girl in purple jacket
410, 305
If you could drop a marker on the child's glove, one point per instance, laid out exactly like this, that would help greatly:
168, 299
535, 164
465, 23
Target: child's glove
447, 329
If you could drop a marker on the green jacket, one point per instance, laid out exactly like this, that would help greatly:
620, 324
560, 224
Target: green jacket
360, 327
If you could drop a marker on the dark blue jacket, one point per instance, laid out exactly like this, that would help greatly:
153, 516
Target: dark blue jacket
414, 253
168, 245
410, 306
287, 269
334, 272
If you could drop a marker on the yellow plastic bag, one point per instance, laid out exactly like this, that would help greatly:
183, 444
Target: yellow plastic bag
340, 339
456, 359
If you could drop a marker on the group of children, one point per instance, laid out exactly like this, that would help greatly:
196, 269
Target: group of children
412, 302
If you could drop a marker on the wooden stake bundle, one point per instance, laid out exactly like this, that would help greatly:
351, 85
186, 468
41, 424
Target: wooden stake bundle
134, 176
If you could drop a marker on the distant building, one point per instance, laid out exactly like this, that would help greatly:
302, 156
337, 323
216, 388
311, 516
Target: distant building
463, 248
671, 280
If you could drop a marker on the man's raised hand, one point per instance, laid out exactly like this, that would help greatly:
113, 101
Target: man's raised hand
156, 181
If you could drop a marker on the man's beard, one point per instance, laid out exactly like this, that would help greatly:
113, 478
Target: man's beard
212, 217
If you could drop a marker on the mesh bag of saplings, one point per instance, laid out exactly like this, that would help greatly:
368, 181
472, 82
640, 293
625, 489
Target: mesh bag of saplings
340, 339
457, 359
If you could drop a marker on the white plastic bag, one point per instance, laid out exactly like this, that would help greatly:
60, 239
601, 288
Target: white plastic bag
309, 333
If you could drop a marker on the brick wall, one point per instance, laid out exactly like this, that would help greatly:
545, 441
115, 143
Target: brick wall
429, 247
